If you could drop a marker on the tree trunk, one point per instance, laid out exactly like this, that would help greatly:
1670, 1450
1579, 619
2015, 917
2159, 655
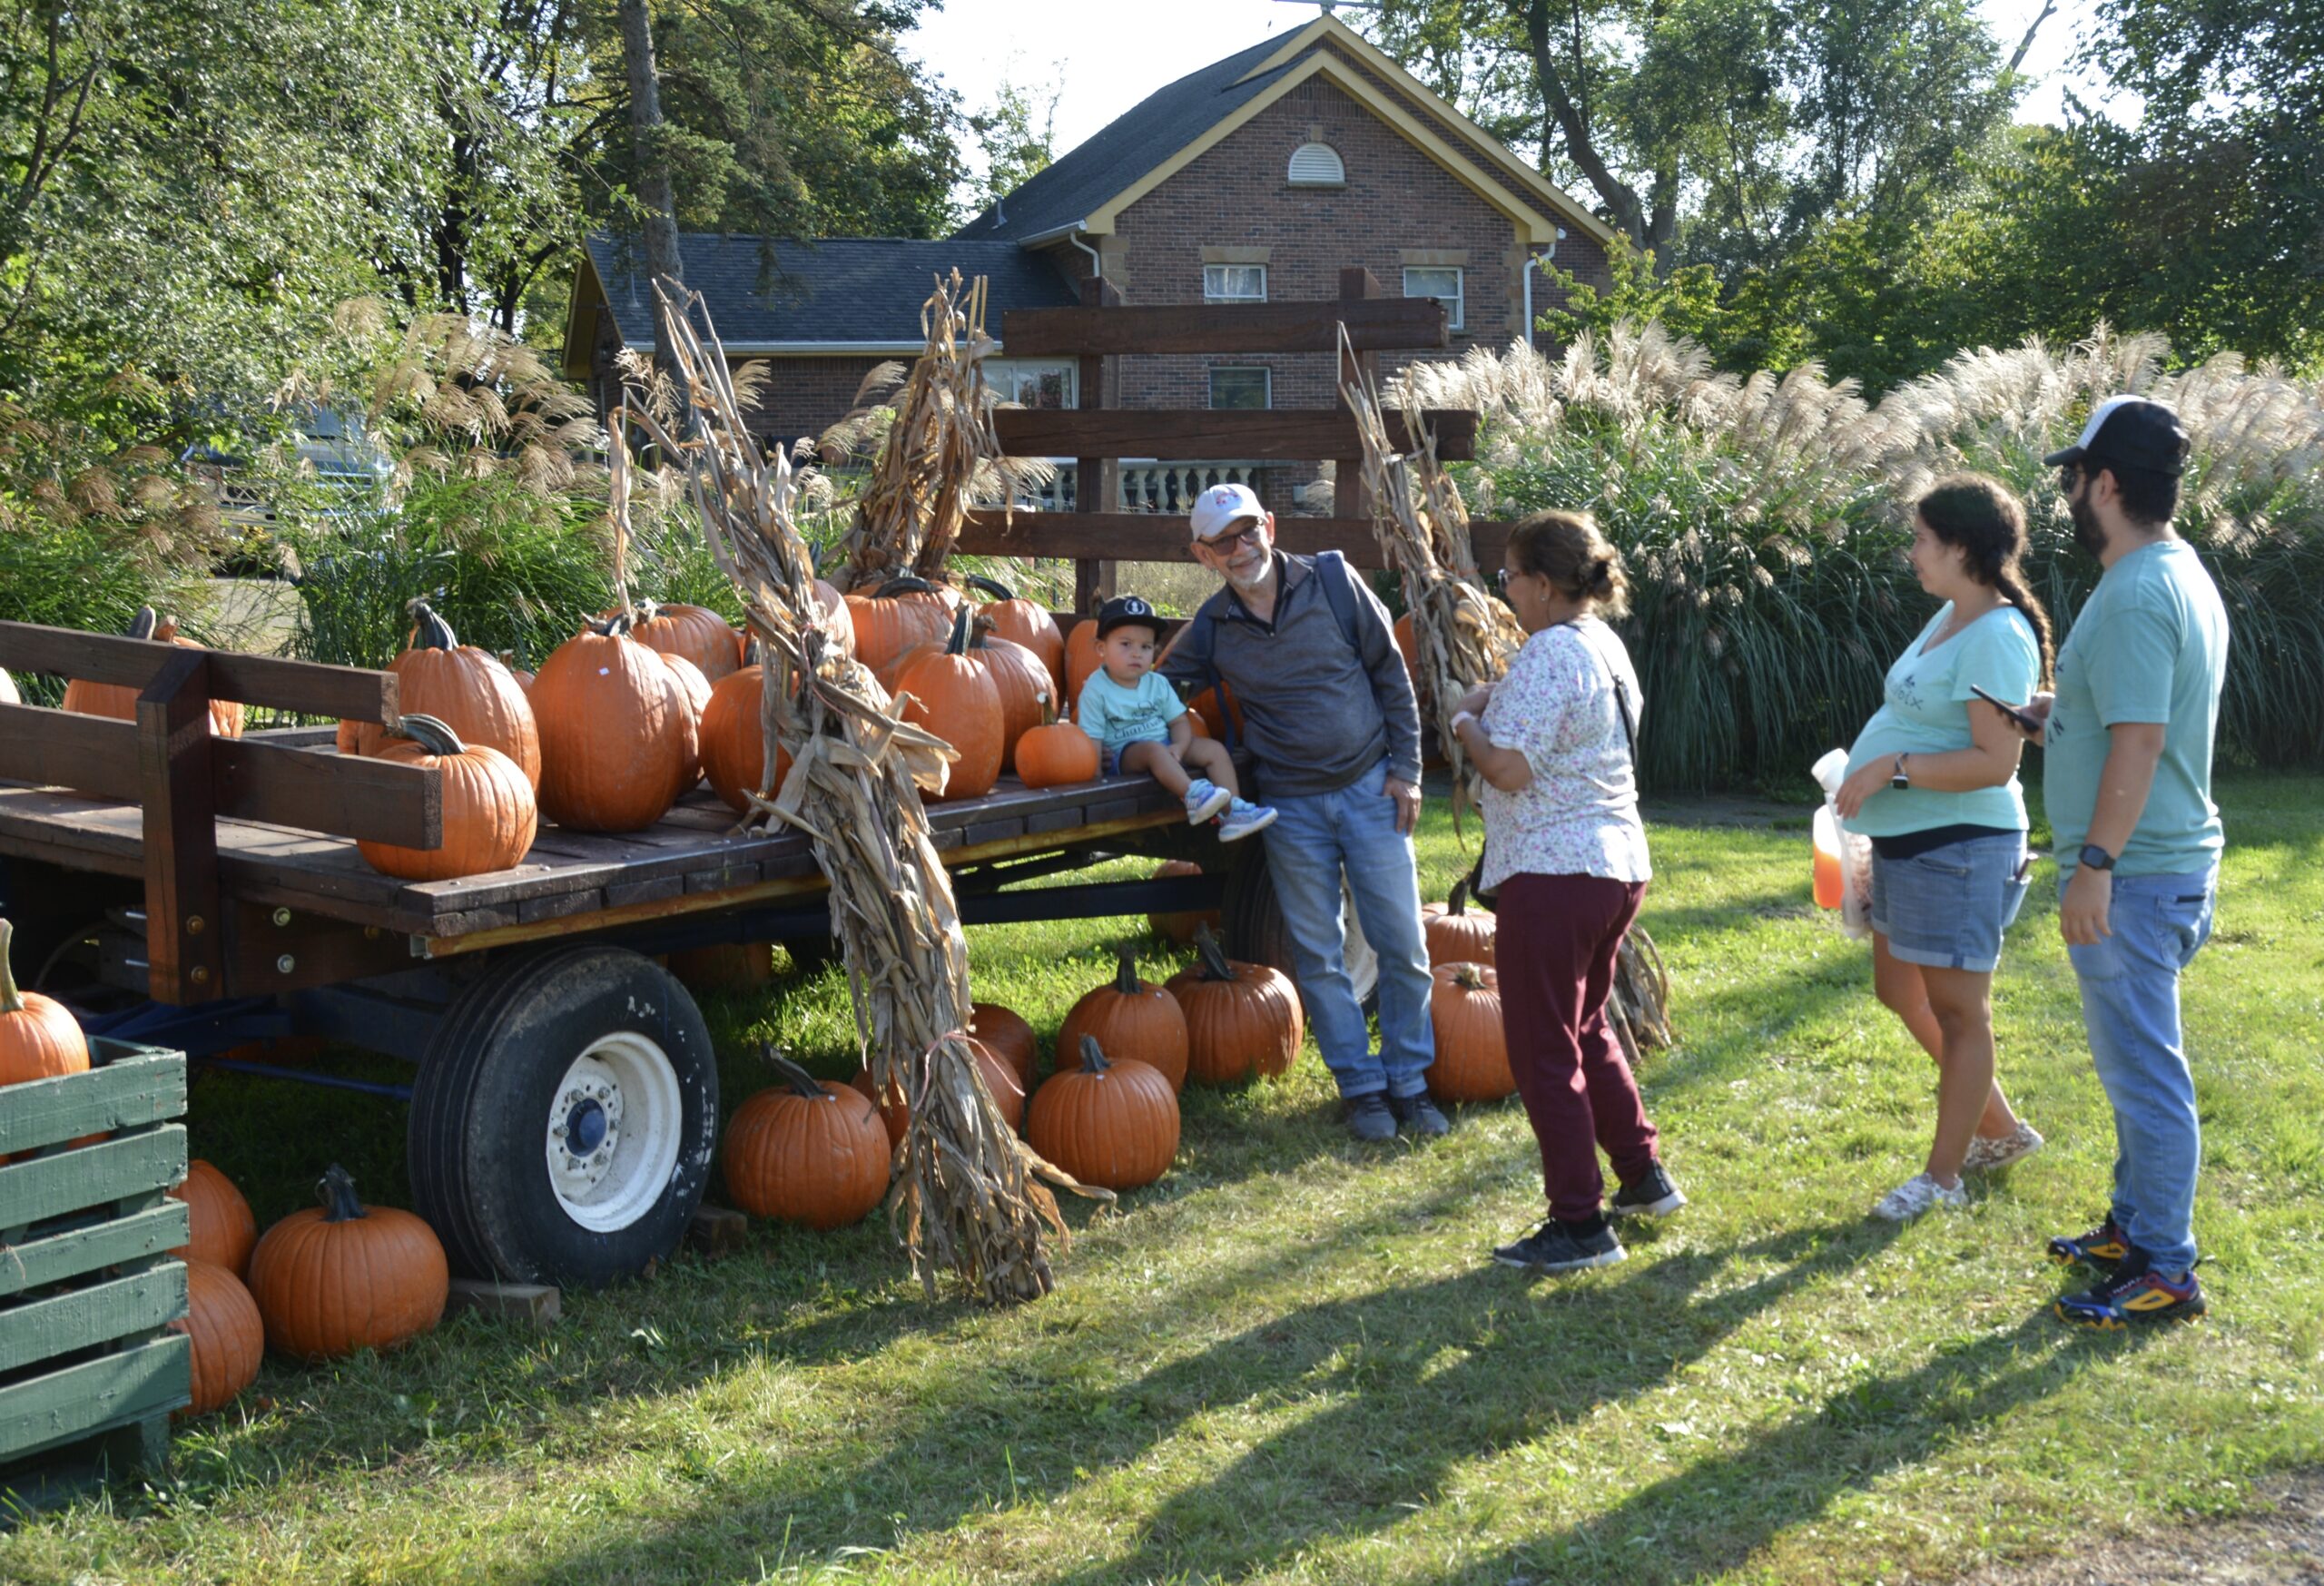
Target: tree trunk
662, 263
1571, 122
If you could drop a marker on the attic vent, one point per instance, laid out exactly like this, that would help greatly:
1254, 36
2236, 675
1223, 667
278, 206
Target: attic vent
1317, 165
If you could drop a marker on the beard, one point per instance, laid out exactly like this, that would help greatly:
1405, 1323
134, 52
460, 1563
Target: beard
2087, 534
1255, 576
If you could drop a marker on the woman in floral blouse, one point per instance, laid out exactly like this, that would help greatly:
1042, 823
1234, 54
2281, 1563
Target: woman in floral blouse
1554, 741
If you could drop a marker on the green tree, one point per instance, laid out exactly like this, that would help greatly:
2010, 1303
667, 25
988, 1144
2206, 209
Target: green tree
1019, 138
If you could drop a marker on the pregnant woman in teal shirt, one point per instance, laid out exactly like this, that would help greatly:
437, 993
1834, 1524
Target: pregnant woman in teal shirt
1933, 782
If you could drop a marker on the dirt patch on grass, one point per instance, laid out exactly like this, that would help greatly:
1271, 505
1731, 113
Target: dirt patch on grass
2283, 1546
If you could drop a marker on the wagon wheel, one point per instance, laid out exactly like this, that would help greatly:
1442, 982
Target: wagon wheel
1255, 930
562, 1120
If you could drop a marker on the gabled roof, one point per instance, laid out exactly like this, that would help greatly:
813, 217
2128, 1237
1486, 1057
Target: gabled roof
1089, 188
852, 294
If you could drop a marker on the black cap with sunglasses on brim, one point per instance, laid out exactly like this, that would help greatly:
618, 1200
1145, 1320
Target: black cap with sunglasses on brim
1122, 611
2130, 432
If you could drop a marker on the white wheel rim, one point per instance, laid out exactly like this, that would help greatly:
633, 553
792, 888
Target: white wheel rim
613, 1126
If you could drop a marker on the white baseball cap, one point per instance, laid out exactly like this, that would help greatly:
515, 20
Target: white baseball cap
1222, 506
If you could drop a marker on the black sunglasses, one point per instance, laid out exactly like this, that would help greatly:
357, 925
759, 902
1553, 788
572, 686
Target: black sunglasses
1227, 540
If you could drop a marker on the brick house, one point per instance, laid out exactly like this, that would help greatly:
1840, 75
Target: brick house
1257, 178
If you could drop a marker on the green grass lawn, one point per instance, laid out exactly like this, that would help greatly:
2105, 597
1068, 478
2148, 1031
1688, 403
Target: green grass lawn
1290, 1360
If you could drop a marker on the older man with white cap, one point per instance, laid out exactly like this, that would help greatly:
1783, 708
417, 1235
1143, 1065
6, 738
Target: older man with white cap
1333, 728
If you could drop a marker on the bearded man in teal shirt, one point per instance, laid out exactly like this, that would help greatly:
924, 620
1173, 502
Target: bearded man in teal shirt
2127, 780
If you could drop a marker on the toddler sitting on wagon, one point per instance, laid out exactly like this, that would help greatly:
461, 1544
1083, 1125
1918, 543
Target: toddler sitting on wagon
1140, 725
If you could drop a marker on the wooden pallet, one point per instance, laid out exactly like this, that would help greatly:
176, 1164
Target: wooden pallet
89, 1369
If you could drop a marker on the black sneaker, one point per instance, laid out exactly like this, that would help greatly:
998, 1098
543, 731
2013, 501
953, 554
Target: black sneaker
1419, 1115
2135, 1295
1651, 1195
2103, 1249
1557, 1246
1368, 1118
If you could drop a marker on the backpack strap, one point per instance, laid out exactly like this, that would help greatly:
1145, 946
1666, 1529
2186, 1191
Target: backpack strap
1339, 588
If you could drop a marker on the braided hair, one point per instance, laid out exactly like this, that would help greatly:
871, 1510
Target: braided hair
1982, 517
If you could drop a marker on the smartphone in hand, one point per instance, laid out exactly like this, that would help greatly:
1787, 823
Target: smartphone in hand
2028, 725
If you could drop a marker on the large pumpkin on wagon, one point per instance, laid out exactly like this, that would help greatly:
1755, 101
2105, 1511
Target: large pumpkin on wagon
470, 690
118, 701
616, 732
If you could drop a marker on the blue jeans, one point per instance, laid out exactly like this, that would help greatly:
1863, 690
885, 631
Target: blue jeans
1311, 840
2130, 1005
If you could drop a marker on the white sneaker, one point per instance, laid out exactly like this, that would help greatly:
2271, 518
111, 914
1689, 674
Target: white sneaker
1919, 1193
1243, 818
1205, 799
1990, 1156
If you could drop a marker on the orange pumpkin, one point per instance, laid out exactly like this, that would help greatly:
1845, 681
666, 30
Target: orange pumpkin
737, 966
1080, 659
733, 740
1111, 1125
695, 632
465, 688
228, 1338
697, 692
1455, 934
1242, 1019
1024, 622
1000, 1077
1471, 1053
954, 697
903, 612
1214, 720
343, 1276
615, 729
118, 701
1007, 1036
38, 1038
524, 678
1023, 683
489, 813
807, 1152
221, 1229
1131, 1019
1408, 646
1056, 754
1180, 927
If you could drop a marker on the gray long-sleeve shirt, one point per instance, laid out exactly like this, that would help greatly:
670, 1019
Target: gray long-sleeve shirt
1317, 713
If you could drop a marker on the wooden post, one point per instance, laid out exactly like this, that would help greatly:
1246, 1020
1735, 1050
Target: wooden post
185, 940
1349, 497
1096, 480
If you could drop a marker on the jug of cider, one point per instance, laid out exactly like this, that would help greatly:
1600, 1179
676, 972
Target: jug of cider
1831, 873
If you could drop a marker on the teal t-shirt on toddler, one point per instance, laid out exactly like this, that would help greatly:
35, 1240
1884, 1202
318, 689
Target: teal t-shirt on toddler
1925, 710
1115, 715
2150, 646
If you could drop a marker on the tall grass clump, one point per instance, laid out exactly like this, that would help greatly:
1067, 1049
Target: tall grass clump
1765, 520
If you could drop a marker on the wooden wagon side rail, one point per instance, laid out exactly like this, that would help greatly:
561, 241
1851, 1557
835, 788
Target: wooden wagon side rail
183, 777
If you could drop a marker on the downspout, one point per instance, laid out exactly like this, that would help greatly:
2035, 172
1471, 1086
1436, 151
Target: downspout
1097, 265
1533, 261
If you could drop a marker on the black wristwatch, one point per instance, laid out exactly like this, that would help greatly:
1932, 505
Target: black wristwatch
1897, 780
2096, 858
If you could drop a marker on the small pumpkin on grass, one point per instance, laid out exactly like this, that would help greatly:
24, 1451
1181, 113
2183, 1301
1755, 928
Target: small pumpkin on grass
343, 1276
118, 701
1471, 1053
1179, 926
1056, 754
954, 697
489, 814
467, 689
221, 1230
1242, 1019
1023, 622
616, 732
228, 1336
1131, 1019
1456, 934
1111, 1125
39, 1039
807, 1152
1000, 1077
1007, 1036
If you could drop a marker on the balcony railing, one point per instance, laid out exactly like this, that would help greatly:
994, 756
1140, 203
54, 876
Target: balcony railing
1150, 486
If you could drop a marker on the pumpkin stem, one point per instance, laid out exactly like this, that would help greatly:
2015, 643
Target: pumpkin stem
336, 1190
1049, 708
140, 626
801, 1082
904, 584
1093, 1060
11, 1000
614, 624
1126, 977
1470, 977
957, 644
1211, 955
1457, 903
429, 630
430, 733
992, 586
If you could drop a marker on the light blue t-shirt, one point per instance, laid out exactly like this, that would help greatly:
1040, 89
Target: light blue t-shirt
1925, 710
2150, 646
1115, 715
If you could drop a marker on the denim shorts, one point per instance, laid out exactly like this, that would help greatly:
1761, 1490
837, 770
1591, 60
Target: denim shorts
1948, 907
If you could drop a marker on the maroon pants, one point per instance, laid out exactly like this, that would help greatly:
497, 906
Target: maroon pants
1554, 947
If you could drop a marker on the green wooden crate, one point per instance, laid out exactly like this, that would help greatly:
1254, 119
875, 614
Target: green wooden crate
89, 1371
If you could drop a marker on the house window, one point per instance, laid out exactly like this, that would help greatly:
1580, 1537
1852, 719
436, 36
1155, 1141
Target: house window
1234, 283
1242, 388
1033, 382
1441, 282
1317, 165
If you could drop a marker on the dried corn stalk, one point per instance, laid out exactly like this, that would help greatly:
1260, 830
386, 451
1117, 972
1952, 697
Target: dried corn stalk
968, 1197
1461, 638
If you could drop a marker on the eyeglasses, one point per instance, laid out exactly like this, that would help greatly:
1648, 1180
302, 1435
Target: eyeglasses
1226, 540
1501, 577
